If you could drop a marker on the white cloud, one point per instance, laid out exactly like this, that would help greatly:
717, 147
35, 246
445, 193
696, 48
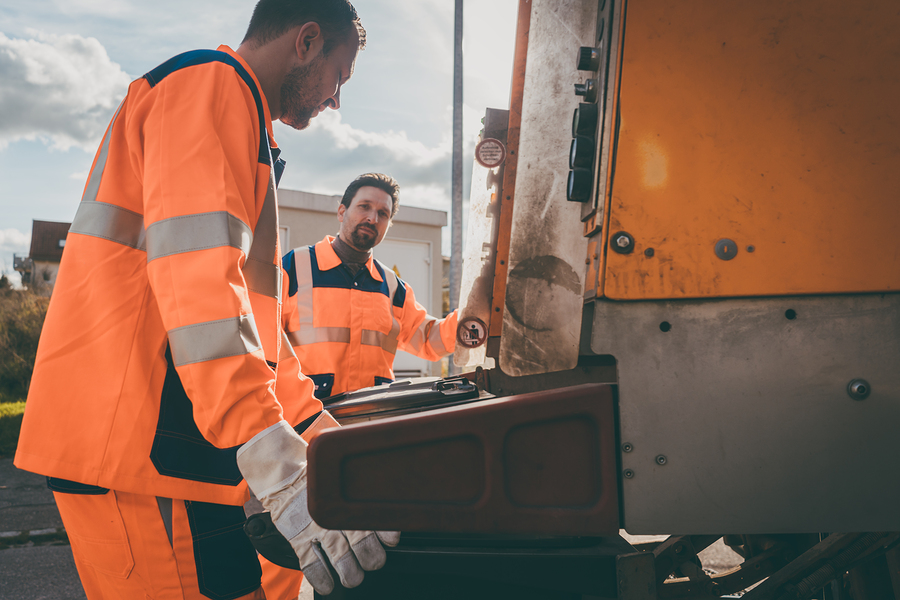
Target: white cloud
331, 153
58, 88
12, 241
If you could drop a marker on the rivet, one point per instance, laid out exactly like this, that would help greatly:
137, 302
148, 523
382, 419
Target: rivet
627, 447
648, 252
859, 389
628, 473
751, 248
661, 459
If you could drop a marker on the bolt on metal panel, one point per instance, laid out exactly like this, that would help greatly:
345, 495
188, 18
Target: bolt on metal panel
748, 414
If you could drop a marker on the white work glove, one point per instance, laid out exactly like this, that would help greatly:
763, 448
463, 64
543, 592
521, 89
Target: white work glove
273, 463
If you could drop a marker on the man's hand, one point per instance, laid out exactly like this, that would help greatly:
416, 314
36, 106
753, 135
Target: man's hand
274, 465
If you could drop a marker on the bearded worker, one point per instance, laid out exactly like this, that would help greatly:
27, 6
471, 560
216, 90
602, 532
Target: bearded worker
163, 385
347, 314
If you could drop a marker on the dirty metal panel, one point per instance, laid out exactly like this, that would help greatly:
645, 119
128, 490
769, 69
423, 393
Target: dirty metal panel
736, 414
546, 279
772, 124
493, 466
480, 252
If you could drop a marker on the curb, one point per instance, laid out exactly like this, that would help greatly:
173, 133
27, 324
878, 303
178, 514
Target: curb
34, 537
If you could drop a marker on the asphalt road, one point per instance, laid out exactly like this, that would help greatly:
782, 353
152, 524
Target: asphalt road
39, 573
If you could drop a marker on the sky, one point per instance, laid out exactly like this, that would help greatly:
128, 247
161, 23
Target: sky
66, 64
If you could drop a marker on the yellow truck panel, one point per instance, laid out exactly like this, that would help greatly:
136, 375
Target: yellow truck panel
771, 125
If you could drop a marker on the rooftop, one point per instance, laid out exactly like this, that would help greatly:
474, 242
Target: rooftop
48, 238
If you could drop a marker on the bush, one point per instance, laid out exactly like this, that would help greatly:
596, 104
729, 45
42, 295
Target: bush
10, 423
21, 319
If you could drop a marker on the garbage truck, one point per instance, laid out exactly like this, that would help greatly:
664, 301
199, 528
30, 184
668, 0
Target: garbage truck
679, 318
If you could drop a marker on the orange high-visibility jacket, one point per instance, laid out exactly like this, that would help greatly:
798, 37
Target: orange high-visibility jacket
163, 351
346, 329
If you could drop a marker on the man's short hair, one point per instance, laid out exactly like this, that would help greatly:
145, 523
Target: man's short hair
273, 18
376, 180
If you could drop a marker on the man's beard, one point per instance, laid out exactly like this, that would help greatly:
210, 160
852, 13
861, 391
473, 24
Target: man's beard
364, 240
298, 95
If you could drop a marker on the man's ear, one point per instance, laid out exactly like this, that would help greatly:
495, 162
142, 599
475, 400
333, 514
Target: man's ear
341, 210
310, 41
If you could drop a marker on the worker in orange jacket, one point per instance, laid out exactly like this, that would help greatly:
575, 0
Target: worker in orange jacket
163, 381
347, 314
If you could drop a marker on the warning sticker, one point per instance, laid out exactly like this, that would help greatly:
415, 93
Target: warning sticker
490, 153
471, 332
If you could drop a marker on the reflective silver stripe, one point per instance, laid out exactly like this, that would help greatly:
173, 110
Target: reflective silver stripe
286, 350
304, 296
371, 337
214, 339
263, 276
391, 279
110, 222
387, 342
435, 339
317, 335
104, 220
417, 341
93, 184
197, 232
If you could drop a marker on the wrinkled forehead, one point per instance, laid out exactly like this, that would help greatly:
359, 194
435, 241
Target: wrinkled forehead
374, 196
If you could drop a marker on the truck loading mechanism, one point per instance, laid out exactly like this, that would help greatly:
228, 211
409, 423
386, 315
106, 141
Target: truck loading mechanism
696, 219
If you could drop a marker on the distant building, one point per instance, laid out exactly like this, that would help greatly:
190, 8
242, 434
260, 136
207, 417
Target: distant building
39, 268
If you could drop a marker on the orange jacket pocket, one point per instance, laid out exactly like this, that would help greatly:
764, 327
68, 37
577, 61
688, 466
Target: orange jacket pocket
96, 531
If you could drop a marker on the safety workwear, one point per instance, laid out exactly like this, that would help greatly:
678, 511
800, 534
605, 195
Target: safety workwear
136, 546
274, 464
162, 351
346, 328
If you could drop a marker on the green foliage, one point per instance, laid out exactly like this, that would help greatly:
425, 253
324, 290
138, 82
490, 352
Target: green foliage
21, 318
10, 423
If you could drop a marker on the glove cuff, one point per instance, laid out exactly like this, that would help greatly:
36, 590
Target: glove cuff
272, 460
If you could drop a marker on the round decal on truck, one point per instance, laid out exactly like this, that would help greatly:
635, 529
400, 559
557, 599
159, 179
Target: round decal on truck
471, 332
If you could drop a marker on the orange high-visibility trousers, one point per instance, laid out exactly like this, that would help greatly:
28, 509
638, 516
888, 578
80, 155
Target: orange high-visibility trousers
280, 583
123, 549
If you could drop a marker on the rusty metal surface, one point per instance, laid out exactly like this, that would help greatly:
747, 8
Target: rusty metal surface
747, 402
545, 283
496, 466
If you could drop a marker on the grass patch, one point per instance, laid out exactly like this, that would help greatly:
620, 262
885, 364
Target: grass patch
10, 423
